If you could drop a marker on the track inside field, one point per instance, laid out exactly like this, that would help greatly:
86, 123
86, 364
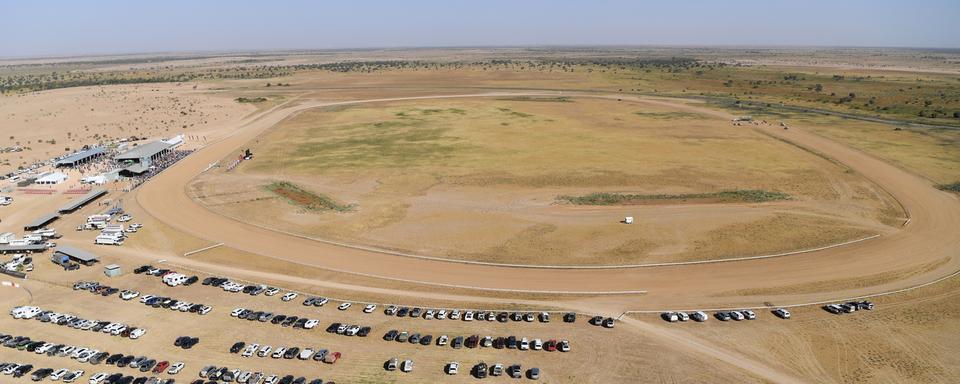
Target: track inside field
931, 235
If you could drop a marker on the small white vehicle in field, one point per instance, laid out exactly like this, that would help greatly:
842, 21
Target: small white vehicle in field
782, 313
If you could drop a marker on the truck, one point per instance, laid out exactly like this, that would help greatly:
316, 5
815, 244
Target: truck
33, 238
93, 218
108, 240
46, 233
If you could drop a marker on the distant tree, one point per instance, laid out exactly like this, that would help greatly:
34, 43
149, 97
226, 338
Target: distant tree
818, 88
956, 115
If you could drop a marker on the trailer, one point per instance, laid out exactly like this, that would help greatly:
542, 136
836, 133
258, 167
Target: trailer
108, 240
6, 237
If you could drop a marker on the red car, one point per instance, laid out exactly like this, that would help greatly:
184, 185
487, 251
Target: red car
161, 367
550, 345
331, 358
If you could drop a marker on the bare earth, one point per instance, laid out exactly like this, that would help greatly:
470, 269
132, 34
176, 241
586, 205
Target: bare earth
910, 337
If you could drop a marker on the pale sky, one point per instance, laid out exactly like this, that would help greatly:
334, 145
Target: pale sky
56, 28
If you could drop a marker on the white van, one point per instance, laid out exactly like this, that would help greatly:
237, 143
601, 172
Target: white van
93, 218
108, 240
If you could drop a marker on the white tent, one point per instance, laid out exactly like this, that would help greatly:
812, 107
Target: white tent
51, 178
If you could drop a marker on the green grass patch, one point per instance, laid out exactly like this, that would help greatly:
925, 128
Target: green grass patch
251, 99
300, 197
559, 99
740, 195
670, 115
952, 187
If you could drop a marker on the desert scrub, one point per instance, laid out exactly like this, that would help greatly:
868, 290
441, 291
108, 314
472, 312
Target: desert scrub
300, 197
744, 195
953, 187
251, 99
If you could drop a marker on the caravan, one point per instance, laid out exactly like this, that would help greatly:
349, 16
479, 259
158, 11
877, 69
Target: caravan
108, 240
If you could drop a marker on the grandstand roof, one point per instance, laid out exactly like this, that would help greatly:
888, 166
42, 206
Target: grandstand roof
143, 151
80, 156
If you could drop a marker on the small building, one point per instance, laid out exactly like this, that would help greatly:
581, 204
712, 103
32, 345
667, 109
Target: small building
112, 270
77, 255
80, 157
51, 178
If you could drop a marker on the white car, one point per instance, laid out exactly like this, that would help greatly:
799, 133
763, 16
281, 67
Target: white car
250, 350
175, 368
442, 314
305, 353
455, 314
406, 366
59, 374
98, 378
310, 324
73, 376
204, 310
236, 312
278, 353
129, 295
136, 225
683, 316
272, 379
750, 315
524, 344
699, 316
442, 340
344, 306
369, 308
563, 346
453, 368
737, 315
468, 316
124, 218
537, 344
272, 291
782, 313
289, 296
264, 351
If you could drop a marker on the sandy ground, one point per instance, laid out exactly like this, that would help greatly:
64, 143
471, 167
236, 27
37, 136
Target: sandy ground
910, 342
495, 200
59, 122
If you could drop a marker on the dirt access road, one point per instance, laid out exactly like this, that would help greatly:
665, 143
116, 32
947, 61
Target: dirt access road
929, 239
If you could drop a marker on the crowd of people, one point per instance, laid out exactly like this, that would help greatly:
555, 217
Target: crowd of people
158, 165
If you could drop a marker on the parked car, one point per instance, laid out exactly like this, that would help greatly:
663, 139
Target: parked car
782, 313
343, 306
392, 364
406, 366
452, 368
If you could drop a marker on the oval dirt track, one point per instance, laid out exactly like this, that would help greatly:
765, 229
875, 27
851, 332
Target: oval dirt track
932, 236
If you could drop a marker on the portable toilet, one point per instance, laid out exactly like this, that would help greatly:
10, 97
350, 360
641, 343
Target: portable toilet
628, 220
112, 270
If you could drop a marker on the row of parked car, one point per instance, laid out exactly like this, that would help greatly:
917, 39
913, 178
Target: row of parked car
348, 329
214, 374
481, 370
306, 353
474, 341
235, 287
95, 288
738, 315
149, 300
848, 307
169, 277
72, 321
282, 320
90, 355
468, 315
119, 378
19, 370
700, 316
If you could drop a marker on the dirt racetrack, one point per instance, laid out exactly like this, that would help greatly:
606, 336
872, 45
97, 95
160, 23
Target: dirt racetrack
929, 237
